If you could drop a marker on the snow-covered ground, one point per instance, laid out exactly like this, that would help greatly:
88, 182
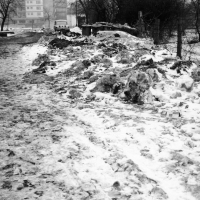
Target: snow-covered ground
54, 147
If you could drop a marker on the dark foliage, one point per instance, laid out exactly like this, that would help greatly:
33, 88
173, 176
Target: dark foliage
126, 11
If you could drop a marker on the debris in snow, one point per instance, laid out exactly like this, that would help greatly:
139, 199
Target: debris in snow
64, 42
137, 88
185, 82
67, 134
76, 30
88, 74
40, 59
106, 83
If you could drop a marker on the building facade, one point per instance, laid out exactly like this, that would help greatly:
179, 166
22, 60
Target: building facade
60, 9
20, 15
29, 13
71, 13
39, 13
34, 13
34, 9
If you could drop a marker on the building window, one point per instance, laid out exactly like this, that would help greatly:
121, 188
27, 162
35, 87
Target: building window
39, 14
38, 8
27, 8
31, 13
37, 2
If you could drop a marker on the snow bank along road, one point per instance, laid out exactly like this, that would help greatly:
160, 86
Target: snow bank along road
52, 147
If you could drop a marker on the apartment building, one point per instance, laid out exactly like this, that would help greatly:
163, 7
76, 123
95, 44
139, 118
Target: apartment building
19, 17
60, 9
34, 9
36, 13
71, 13
29, 14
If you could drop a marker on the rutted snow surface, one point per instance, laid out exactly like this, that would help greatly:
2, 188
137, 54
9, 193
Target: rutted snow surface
53, 149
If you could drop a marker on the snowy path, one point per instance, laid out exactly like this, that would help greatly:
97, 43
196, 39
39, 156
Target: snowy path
52, 149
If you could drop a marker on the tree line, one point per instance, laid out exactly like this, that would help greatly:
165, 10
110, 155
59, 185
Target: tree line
7, 8
126, 11
169, 12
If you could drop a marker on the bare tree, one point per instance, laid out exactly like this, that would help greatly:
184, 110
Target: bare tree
86, 5
48, 15
7, 7
179, 38
32, 23
196, 8
126, 11
111, 10
182, 7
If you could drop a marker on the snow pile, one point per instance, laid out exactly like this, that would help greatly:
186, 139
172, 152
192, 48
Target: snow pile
76, 30
73, 135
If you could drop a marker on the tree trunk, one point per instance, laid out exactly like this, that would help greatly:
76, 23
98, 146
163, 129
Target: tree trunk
170, 29
197, 24
49, 23
170, 32
179, 44
196, 5
32, 24
197, 29
3, 23
161, 33
85, 11
156, 32
86, 18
